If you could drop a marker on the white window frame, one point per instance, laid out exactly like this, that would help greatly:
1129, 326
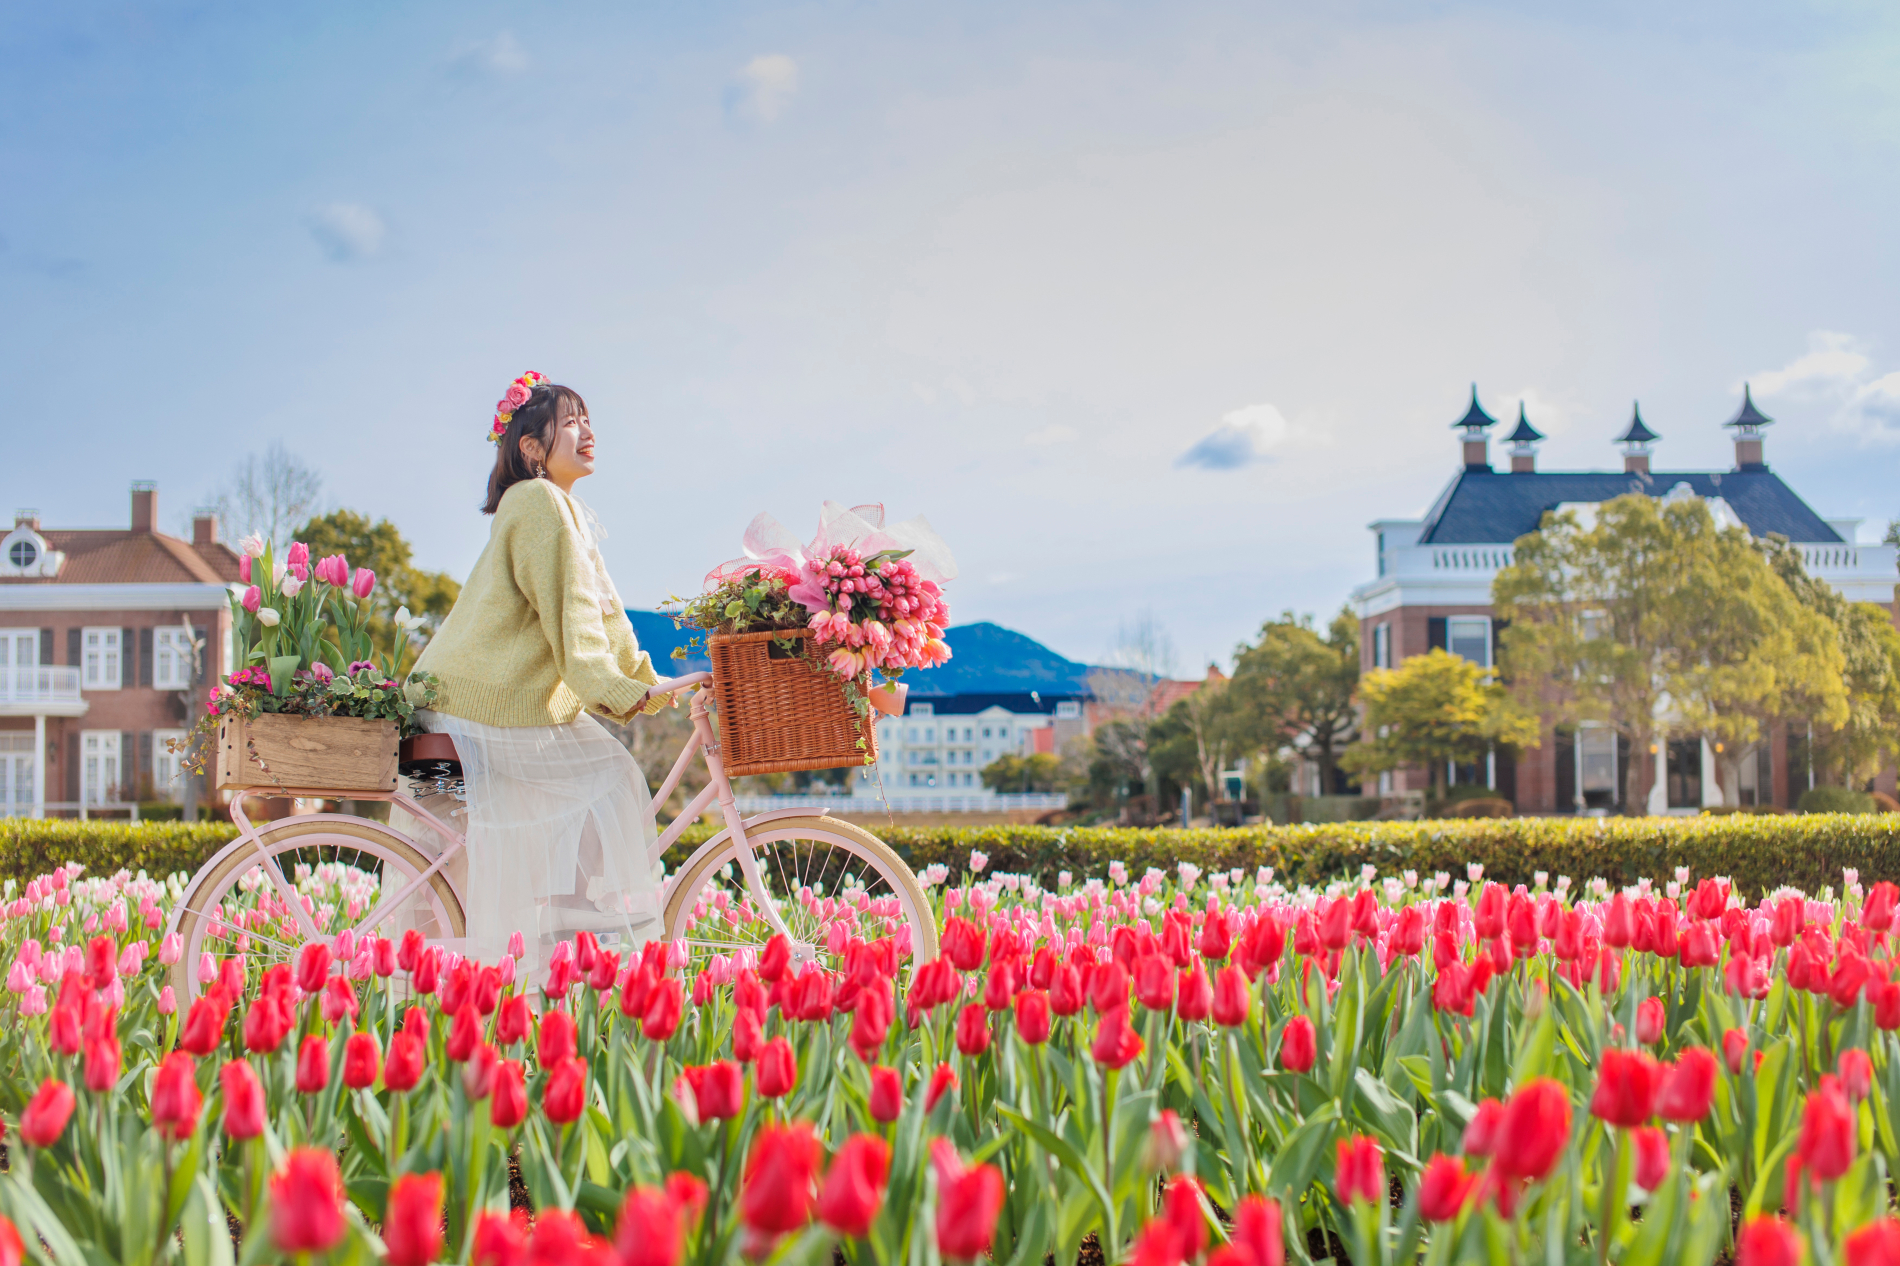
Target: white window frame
17, 770
102, 659
1382, 645
168, 781
1068, 710
100, 763
1450, 641
171, 658
923, 709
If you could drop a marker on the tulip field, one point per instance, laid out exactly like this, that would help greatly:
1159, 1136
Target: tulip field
1166, 1069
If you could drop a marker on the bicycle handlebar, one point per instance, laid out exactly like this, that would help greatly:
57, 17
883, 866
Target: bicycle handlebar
675, 684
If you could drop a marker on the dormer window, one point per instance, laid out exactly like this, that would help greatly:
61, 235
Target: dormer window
23, 552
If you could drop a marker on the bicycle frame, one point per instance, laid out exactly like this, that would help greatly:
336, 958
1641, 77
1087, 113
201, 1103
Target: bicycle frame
704, 742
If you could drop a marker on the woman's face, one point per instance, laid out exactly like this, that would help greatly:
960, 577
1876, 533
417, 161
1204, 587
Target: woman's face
570, 450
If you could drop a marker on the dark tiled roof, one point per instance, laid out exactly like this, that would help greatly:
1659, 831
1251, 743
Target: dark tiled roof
122, 557
967, 705
1480, 506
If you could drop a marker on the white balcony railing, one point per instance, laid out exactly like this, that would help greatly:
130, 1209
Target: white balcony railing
45, 684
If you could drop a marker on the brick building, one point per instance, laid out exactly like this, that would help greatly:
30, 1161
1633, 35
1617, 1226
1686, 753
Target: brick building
106, 638
1432, 588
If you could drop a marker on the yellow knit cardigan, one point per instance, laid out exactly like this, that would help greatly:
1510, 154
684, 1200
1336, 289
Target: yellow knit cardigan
528, 642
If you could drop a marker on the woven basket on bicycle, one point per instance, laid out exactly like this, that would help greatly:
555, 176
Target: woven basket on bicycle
779, 711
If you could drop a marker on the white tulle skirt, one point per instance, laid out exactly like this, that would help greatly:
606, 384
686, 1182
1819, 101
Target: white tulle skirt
559, 838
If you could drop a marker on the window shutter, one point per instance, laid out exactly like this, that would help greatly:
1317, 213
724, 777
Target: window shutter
145, 657
1497, 639
128, 657
145, 762
1435, 633
46, 646
72, 753
73, 637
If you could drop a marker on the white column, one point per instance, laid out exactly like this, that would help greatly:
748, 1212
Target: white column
39, 765
1659, 789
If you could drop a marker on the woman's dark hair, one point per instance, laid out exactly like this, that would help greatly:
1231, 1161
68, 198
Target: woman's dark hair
546, 406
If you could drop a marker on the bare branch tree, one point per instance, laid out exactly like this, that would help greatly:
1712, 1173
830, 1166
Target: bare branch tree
270, 495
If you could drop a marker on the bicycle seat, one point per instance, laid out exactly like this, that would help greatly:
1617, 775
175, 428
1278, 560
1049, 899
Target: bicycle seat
429, 756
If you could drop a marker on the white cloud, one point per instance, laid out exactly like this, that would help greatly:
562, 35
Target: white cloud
1245, 436
763, 88
1055, 433
346, 231
1836, 376
502, 55
1549, 415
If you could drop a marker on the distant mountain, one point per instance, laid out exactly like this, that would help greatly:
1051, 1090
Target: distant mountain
985, 659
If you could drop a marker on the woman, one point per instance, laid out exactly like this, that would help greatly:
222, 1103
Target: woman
558, 832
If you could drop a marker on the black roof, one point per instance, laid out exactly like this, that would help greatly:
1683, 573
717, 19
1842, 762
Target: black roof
967, 705
1637, 432
1749, 416
1524, 433
1475, 419
1480, 506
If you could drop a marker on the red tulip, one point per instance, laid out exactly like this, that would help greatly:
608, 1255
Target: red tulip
1489, 915
306, 1202
1181, 1212
1627, 1084
267, 1023
1361, 1171
1877, 1243
717, 1090
853, 1190
871, 1020
102, 962
942, 1082
1365, 913
666, 1003
968, 1201
1885, 995
887, 1094
973, 1029
427, 973
748, 1035
606, 968
1826, 1146
339, 1000
12, 1248
1534, 1131
1154, 982
383, 957
103, 1057
204, 1023
1650, 1018
651, 1228
1298, 1046
1699, 946
514, 1022
776, 1195
1484, 1129
962, 943
1116, 1042
1257, 1236
1876, 913
500, 1239
44, 1118
243, 1100
1167, 1142
313, 967
1194, 993
1652, 1156
1032, 1016
1066, 996
360, 1060
1408, 932
1766, 1240
176, 1099
778, 1068
508, 1096
1217, 936
1000, 986
478, 1073
1233, 996
313, 1065
1108, 987
565, 1096
1335, 925
1443, 1187
1688, 1087
405, 1061
1265, 943
1856, 1072
557, 1040
412, 1227
1734, 1046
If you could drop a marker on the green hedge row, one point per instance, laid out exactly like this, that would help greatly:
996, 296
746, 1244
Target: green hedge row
1760, 853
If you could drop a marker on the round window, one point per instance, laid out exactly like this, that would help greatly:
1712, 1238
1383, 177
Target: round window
23, 554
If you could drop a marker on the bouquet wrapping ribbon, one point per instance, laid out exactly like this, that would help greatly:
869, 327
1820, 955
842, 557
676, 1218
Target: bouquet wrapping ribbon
770, 546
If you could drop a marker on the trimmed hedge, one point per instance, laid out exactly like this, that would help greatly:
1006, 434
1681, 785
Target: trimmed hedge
1759, 852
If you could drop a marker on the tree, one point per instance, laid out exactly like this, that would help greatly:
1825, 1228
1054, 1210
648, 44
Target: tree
1209, 717
1296, 685
1654, 611
269, 495
429, 595
1433, 710
1126, 695
1010, 774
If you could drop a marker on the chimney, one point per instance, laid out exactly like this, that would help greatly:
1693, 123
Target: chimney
27, 517
1636, 439
1748, 424
144, 506
204, 528
1523, 441
1474, 424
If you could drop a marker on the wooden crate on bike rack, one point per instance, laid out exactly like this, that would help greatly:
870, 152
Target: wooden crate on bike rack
331, 753
780, 711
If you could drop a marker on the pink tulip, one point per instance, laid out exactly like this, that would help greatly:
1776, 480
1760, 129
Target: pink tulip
253, 599
244, 568
171, 949
299, 554
364, 582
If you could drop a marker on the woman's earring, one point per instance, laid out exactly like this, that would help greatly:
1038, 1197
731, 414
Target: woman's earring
540, 470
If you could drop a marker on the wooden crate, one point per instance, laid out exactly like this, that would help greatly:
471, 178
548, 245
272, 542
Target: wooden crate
314, 753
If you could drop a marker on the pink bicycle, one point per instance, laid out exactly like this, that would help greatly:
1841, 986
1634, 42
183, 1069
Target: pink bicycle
280, 885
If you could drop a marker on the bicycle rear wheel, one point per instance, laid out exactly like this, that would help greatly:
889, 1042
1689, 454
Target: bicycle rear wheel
830, 880
342, 866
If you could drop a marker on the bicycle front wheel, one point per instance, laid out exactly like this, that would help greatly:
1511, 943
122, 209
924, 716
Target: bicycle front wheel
829, 880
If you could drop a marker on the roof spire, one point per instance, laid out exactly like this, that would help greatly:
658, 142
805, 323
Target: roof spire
1637, 437
1749, 420
1476, 420
1524, 434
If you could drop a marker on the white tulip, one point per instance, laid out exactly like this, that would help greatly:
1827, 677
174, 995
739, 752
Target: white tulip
252, 545
290, 586
406, 622
268, 617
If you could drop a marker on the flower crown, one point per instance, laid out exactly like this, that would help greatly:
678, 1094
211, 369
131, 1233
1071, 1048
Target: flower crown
512, 399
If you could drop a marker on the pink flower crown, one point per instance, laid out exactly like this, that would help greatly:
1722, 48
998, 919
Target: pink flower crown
512, 399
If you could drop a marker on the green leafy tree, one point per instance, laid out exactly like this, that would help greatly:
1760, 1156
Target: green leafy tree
1011, 774
1434, 710
1296, 685
428, 595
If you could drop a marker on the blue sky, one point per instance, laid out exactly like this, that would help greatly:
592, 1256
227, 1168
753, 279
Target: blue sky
1147, 307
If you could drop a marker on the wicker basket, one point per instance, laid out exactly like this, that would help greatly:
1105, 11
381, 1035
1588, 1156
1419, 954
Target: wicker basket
778, 713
